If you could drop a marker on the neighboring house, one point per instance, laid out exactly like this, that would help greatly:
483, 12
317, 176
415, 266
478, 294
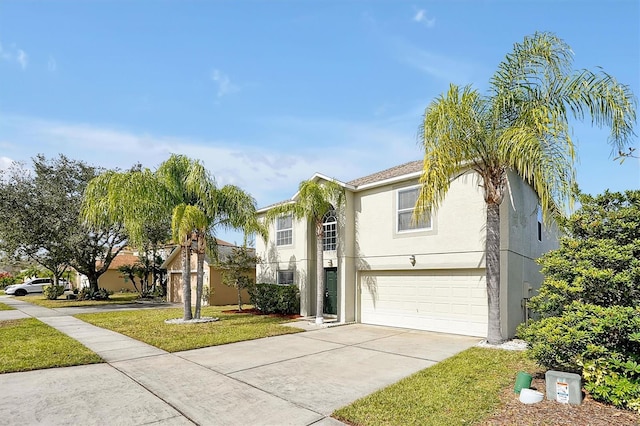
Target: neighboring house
382, 267
114, 280
215, 292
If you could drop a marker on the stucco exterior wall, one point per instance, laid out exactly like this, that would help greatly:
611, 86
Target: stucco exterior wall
456, 239
217, 293
520, 247
298, 256
114, 280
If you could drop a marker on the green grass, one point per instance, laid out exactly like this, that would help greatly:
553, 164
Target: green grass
148, 326
4, 307
117, 298
28, 344
461, 390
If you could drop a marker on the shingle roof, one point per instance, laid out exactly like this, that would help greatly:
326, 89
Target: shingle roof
402, 169
396, 171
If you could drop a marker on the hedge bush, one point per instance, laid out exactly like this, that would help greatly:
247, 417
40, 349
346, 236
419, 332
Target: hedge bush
275, 298
52, 292
601, 343
86, 293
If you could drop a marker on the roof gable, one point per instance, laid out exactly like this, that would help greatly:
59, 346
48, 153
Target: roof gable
396, 172
393, 172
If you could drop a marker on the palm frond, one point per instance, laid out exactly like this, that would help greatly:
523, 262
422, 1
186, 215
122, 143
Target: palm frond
454, 134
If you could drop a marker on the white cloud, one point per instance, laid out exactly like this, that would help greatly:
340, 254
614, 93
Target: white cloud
224, 83
5, 163
22, 58
52, 65
14, 54
295, 149
422, 17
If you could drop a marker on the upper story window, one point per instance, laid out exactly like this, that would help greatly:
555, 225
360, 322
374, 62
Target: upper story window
284, 231
406, 204
330, 227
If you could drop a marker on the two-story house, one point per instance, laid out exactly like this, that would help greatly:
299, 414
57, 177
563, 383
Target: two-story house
383, 267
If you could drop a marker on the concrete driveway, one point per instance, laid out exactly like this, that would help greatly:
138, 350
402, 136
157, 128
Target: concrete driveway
297, 379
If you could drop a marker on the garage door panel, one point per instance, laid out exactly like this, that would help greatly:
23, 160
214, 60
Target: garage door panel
445, 301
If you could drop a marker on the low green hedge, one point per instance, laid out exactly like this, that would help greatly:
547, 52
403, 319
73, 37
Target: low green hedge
275, 298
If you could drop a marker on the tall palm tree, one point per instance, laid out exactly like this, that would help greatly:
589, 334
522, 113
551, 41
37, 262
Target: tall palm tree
312, 202
181, 188
520, 126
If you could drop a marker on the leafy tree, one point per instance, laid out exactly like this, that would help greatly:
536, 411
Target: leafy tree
589, 302
237, 268
180, 189
521, 125
42, 206
313, 201
598, 261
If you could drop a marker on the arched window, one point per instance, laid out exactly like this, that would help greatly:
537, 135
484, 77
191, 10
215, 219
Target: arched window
330, 225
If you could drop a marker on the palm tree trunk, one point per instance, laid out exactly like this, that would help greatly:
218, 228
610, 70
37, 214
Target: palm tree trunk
494, 333
186, 277
200, 273
319, 273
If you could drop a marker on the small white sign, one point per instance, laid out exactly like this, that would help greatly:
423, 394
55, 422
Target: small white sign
562, 392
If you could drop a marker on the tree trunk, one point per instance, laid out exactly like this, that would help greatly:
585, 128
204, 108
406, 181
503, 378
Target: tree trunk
239, 297
200, 274
319, 273
186, 278
494, 332
93, 281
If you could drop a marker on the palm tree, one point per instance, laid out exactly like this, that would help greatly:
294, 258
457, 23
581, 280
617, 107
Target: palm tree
312, 202
181, 188
520, 126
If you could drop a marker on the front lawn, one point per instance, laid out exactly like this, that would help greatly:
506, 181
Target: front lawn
463, 389
28, 344
4, 307
61, 302
148, 326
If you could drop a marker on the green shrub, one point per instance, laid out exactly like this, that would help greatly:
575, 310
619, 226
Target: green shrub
598, 261
52, 292
601, 343
612, 378
87, 293
275, 298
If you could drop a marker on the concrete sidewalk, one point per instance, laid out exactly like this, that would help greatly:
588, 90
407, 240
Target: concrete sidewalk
297, 379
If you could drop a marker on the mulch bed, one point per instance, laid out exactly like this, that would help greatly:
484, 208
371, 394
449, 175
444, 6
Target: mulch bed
253, 311
589, 413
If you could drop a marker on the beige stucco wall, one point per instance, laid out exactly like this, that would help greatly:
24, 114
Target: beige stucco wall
455, 240
299, 257
218, 293
520, 247
114, 280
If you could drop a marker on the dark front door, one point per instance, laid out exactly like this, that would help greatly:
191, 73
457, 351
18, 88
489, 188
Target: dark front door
331, 291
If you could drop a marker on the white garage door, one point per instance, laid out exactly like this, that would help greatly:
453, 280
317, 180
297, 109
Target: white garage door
448, 301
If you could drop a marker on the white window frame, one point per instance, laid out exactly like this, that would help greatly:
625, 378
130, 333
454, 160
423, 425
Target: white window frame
330, 232
284, 236
414, 227
279, 277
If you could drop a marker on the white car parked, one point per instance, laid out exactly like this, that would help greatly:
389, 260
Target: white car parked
33, 285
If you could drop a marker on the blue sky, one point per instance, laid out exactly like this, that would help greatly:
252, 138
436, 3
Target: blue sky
267, 93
